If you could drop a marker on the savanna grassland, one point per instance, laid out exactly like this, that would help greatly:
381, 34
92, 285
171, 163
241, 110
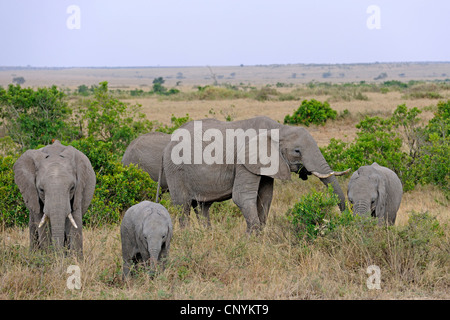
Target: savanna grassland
223, 262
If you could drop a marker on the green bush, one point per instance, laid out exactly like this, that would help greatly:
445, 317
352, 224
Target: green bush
316, 214
176, 123
12, 208
415, 153
311, 111
111, 120
116, 191
36, 117
117, 188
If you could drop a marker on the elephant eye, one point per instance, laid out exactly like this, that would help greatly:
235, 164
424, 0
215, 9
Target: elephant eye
297, 150
41, 190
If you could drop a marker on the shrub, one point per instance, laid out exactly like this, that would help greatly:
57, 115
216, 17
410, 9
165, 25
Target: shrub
265, 93
12, 208
311, 111
416, 154
117, 188
116, 191
316, 214
36, 117
111, 120
176, 123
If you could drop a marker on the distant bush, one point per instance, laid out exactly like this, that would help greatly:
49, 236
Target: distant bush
158, 88
265, 93
311, 111
417, 154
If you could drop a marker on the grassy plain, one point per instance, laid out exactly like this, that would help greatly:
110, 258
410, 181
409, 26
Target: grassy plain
223, 262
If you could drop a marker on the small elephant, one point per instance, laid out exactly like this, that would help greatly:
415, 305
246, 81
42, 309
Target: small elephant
146, 231
57, 184
376, 190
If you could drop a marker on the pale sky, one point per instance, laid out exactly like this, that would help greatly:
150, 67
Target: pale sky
84, 33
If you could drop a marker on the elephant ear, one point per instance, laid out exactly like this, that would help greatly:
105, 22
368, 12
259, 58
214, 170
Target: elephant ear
261, 155
380, 210
85, 177
25, 170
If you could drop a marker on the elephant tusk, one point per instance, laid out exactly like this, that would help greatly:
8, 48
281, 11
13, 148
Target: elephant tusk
43, 220
341, 173
72, 220
322, 175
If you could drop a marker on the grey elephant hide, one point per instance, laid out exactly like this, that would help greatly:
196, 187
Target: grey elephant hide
375, 190
57, 184
146, 232
250, 187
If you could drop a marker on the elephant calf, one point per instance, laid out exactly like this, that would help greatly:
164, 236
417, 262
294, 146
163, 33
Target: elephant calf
146, 231
376, 190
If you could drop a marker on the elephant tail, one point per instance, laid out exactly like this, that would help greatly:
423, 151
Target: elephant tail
161, 168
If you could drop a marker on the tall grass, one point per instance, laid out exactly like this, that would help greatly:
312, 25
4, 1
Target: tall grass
223, 262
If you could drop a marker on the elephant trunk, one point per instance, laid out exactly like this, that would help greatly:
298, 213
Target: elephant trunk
361, 207
57, 207
154, 259
337, 190
58, 229
317, 163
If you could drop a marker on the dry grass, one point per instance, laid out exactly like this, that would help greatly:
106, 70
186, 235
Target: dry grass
223, 262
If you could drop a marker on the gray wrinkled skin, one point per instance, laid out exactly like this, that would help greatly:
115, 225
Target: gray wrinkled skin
55, 180
146, 152
146, 231
252, 192
375, 190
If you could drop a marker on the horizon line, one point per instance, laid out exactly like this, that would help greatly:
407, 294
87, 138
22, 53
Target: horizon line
207, 65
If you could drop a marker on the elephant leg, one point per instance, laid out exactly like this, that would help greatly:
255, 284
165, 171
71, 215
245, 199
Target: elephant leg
34, 235
40, 238
184, 217
44, 236
205, 213
265, 194
75, 235
245, 194
194, 205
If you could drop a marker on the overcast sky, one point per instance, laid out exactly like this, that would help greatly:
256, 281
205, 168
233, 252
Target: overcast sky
221, 32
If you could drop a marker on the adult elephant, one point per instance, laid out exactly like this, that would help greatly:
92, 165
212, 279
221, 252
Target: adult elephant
57, 183
376, 190
146, 152
211, 160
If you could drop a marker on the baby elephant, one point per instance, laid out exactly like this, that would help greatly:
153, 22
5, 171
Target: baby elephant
146, 231
377, 190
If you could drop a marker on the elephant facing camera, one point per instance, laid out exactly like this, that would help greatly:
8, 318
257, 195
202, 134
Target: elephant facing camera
146, 232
